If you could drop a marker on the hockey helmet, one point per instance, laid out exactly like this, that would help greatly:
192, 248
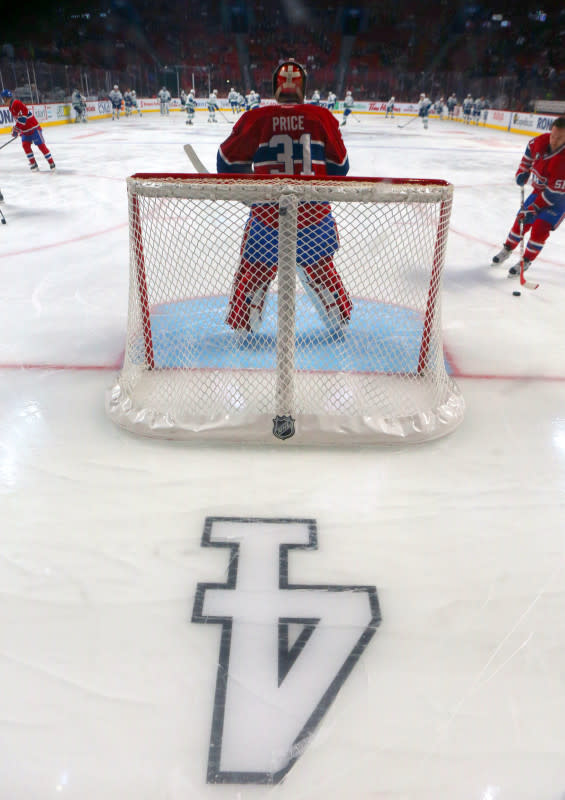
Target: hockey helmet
6, 94
115, 86
289, 81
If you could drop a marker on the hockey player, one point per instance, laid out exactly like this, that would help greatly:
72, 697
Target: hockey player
424, 105
347, 106
254, 99
116, 98
182, 100
190, 107
212, 107
476, 110
241, 102
439, 107
233, 100
390, 108
78, 102
289, 138
544, 210
164, 99
451, 103
128, 103
316, 97
331, 101
28, 128
134, 103
467, 109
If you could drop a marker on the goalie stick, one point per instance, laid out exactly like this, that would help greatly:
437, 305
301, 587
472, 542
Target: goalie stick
195, 161
523, 281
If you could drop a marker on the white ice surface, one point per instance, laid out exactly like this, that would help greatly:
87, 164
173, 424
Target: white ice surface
105, 684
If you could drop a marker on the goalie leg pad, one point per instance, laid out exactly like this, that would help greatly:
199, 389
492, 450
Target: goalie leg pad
327, 292
248, 295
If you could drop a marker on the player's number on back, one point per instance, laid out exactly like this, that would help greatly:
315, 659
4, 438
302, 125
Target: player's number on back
286, 154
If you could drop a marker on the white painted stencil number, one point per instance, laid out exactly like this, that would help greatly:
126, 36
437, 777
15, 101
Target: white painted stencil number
285, 649
286, 154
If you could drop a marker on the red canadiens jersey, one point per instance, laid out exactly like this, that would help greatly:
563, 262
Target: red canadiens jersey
285, 139
26, 122
547, 170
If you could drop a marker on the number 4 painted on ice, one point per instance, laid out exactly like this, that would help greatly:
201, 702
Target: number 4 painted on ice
285, 649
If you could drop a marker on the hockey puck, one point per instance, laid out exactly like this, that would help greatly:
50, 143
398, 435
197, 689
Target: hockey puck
516, 294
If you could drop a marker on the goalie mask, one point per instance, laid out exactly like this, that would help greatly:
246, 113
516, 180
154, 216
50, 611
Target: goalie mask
289, 82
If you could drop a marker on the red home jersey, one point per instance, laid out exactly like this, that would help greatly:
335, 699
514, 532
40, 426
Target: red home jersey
25, 120
285, 140
547, 169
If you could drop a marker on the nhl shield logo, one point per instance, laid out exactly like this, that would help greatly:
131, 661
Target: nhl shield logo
283, 427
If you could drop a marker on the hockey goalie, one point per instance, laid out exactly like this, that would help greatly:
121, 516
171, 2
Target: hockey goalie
287, 138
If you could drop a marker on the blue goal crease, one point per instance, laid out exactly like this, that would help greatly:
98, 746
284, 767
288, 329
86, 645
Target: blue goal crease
380, 338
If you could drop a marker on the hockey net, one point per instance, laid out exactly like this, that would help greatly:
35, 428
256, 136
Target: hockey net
302, 309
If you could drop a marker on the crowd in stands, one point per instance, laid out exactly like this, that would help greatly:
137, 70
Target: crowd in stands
395, 47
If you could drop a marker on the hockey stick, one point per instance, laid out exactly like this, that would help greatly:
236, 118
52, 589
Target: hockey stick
404, 124
196, 163
12, 139
2, 217
523, 281
224, 116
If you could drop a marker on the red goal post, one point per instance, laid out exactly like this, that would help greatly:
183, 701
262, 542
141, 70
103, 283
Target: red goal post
297, 309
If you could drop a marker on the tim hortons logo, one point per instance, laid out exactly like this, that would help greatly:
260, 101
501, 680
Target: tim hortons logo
285, 649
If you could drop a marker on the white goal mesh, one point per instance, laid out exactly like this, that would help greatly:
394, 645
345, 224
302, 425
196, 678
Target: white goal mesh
264, 309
